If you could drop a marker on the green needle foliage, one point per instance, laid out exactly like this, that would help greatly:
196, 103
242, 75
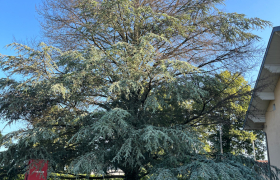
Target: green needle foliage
131, 96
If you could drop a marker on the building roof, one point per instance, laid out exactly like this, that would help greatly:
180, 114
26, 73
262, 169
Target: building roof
265, 84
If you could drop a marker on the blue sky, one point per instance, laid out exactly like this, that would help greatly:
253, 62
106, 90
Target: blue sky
18, 19
264, 9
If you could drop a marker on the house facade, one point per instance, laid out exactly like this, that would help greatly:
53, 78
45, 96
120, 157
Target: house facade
264, 109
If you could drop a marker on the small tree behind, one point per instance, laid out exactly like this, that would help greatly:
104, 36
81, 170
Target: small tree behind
235, 140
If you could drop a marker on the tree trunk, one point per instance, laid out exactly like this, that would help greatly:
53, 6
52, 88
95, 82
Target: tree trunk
132, 175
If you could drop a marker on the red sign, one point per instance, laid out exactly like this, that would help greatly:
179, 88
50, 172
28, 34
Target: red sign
37, 170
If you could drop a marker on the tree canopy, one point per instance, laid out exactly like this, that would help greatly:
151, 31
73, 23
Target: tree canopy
196, 30
126, 88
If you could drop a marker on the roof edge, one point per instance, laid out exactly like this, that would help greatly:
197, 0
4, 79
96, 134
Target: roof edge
275, 29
